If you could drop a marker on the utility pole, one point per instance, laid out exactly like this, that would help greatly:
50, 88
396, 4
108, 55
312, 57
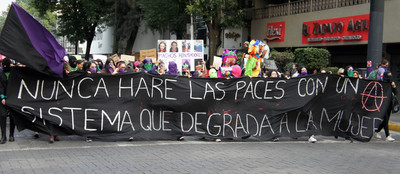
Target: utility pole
375, 34
191, 25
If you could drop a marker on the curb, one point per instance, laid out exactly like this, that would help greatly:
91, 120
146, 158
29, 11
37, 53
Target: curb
394, 127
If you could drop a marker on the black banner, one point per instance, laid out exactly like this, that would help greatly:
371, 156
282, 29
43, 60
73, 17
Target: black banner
153, 107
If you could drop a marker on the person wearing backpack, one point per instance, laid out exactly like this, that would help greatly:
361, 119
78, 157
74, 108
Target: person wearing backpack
382, 68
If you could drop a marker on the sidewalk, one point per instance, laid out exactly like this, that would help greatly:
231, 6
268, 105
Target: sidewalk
394, 122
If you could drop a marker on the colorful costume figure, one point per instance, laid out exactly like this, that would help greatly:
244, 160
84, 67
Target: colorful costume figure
186, 66
253, 67
228, 59
236, 71
213, 73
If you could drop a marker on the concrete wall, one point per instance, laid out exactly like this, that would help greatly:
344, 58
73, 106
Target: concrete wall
293, 33
146, 38
102, 43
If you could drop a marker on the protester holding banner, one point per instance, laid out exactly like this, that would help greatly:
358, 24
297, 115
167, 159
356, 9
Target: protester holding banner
136, 64
294, 72
4, 75
90, 67
198, 72
109, 68
274, 74
121, 66
303, 72
172, 68
161, 68
72, 63
99, 64
79, 65
386, 77
149, 67
349, 71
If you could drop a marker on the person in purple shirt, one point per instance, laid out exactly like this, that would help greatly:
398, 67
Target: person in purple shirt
303, 72
172, 68
382, 69
149, 67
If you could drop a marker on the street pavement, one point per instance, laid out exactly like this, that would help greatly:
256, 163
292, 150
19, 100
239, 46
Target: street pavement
74, 155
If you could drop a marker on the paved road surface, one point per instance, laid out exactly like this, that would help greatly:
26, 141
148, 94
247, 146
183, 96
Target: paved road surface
74, 155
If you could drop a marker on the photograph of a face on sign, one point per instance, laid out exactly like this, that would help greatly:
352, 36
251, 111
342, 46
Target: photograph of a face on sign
162, 46
186, 46
182, 52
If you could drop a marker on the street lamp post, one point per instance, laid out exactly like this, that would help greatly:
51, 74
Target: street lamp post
375, 34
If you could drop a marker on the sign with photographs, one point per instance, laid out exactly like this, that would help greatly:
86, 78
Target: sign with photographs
185, 53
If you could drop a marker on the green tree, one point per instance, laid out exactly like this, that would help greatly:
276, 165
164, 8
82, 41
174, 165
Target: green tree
47, 18
79, 19
282, 59
3, 17
217, 14
312, 58
128, 15
166, 15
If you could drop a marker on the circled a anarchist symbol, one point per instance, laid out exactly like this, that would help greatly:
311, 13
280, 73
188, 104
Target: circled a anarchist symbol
375, 93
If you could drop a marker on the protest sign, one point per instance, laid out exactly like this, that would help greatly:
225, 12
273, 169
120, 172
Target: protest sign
153, 107
182, 52
115, 58
103, 58
127, 58
151, 53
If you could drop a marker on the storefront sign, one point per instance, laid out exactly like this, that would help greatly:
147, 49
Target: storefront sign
352, 28
276, 32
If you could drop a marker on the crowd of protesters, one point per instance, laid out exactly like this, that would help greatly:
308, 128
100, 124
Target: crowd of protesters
229, 69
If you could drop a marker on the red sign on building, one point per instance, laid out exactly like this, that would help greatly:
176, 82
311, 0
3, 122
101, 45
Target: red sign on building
276, 32
352, 28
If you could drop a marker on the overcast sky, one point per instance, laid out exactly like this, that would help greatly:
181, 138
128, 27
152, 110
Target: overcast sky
4, 4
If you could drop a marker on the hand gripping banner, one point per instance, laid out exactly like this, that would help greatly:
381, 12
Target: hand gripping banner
153, 107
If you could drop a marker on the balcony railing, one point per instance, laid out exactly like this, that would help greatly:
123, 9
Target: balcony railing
299, 7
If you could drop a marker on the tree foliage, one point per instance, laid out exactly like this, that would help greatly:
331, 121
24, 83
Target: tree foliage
282, 59
46, 18
312, 58
217, 14
78, 19
166, 15
127, 25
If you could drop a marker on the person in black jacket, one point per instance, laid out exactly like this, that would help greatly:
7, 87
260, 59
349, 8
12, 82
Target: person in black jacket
4, 74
